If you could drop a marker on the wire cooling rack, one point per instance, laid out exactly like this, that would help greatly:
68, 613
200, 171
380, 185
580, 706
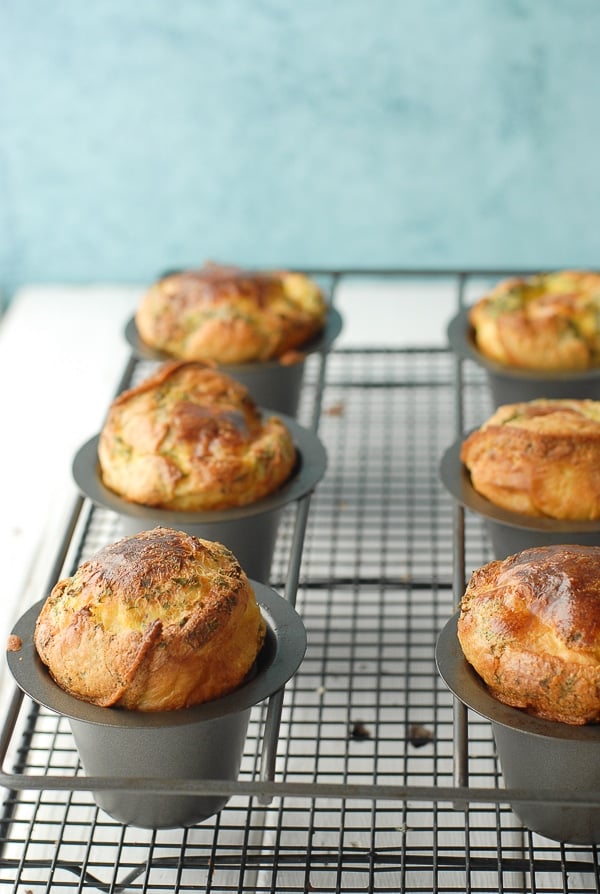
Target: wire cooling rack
364, 796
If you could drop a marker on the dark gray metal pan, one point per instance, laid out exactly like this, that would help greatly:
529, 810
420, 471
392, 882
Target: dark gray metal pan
272, 384
535, 755
508, 385
201, 742
250, 532
510, 532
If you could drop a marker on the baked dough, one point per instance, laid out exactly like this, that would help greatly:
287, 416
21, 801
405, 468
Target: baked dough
530, 626
230, 316
155, 622
539, 458
548, 322
190, 438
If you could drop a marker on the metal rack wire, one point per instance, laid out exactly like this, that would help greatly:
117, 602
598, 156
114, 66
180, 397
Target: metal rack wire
364, 796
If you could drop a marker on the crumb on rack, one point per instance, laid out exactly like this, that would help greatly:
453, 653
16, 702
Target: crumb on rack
291, 357
14, 643
419, 735
359, 731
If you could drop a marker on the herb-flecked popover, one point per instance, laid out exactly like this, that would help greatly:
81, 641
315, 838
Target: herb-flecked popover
231, 316
191, 438
154, 622
530, 626
539, 458
546, 322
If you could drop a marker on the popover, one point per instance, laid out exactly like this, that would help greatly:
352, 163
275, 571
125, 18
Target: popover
191, 438
546, 322
539, 458
231, 316
154, 622
530, 626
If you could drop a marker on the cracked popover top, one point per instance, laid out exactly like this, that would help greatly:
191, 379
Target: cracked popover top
191, 438
154, 622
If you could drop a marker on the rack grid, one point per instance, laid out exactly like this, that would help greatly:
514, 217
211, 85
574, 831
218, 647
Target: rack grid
363, 797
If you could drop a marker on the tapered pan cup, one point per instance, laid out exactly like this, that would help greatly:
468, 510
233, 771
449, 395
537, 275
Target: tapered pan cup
202, 742
538, 756
510, 385
250, 532
511, 532
276, 384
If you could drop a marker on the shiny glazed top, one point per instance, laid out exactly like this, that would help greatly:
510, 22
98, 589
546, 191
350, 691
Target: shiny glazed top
530, 626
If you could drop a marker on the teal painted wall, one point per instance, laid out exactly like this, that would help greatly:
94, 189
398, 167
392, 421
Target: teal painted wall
439, 133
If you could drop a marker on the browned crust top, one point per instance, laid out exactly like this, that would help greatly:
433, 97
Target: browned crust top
220, 284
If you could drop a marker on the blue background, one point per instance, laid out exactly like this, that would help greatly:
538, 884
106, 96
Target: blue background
436, 133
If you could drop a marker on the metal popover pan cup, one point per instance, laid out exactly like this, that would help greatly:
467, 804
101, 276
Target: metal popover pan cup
250, 532
535, 755
201, 742
511, 532
508, 385
271, 383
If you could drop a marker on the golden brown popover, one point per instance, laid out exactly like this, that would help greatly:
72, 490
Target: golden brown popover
550, 321
155, 622
539, 458
229, 315
190, 438
530, 626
